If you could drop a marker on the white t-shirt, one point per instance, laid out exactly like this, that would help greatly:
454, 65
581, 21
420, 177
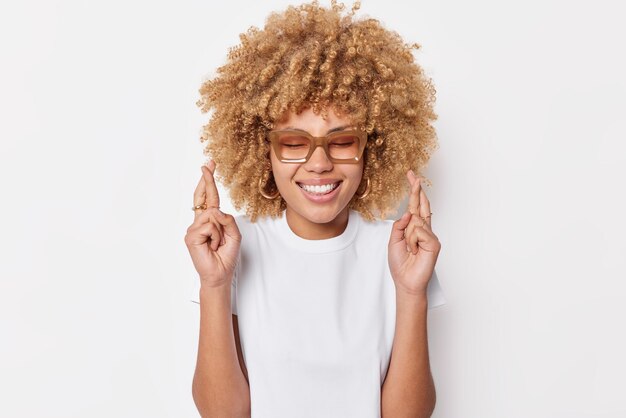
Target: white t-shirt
316, 317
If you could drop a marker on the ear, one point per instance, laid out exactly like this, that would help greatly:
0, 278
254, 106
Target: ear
271, 159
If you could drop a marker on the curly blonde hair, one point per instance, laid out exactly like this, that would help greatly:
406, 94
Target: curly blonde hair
311, 56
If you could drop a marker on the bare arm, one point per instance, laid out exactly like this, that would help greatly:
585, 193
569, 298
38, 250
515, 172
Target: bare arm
220, 388
408, 389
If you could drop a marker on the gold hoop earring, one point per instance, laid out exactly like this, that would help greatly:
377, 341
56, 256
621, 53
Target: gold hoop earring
264, 194
367, 190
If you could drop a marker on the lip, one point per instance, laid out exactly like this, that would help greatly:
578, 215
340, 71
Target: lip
324, 197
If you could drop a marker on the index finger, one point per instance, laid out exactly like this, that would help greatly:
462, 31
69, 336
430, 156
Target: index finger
414, 197
425, 208
212, 195
199, 196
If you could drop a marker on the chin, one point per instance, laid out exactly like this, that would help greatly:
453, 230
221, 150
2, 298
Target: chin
323, 218
320, 215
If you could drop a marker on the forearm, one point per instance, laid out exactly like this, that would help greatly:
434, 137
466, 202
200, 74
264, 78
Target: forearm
408, 389
219, 386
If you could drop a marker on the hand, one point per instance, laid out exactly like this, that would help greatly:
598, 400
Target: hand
413, 247
213, 239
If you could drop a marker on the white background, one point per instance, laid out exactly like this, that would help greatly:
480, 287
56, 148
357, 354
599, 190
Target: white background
100, 155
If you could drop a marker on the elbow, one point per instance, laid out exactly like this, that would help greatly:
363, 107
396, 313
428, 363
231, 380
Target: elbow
201, 400
409, 413
210, 407
409, 408
428, 406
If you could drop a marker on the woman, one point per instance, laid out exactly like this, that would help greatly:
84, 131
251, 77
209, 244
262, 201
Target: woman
319, 121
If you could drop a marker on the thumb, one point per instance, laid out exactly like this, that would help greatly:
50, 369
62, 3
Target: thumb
397, 229
229, 224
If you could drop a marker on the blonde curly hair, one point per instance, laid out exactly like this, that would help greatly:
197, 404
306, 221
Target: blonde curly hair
311, 56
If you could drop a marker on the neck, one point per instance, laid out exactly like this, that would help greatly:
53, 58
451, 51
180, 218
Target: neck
307, 229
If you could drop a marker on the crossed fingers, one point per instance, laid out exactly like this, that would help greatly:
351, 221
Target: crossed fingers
206, 203
419, 207
206, 194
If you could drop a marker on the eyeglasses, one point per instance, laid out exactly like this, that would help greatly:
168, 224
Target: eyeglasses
294, 146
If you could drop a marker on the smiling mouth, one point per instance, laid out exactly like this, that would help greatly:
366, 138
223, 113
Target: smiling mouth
319, 190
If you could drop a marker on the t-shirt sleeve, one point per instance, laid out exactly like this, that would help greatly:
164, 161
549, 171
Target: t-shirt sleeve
195, 291
434, 292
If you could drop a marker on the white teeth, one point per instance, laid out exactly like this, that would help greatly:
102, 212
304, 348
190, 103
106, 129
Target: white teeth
319, 189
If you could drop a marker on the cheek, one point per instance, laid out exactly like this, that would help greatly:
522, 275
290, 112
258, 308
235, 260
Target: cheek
283, 173
357, 174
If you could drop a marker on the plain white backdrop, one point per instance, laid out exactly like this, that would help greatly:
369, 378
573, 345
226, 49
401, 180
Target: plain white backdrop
100, 155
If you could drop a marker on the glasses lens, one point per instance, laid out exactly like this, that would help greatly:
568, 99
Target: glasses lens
344, 146
293, 146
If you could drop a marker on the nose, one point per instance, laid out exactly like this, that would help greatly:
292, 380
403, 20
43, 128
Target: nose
319, 161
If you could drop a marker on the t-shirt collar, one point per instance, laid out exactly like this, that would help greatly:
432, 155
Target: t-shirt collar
319, 245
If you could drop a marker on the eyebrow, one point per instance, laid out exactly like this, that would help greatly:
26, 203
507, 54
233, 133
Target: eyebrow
338, 128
